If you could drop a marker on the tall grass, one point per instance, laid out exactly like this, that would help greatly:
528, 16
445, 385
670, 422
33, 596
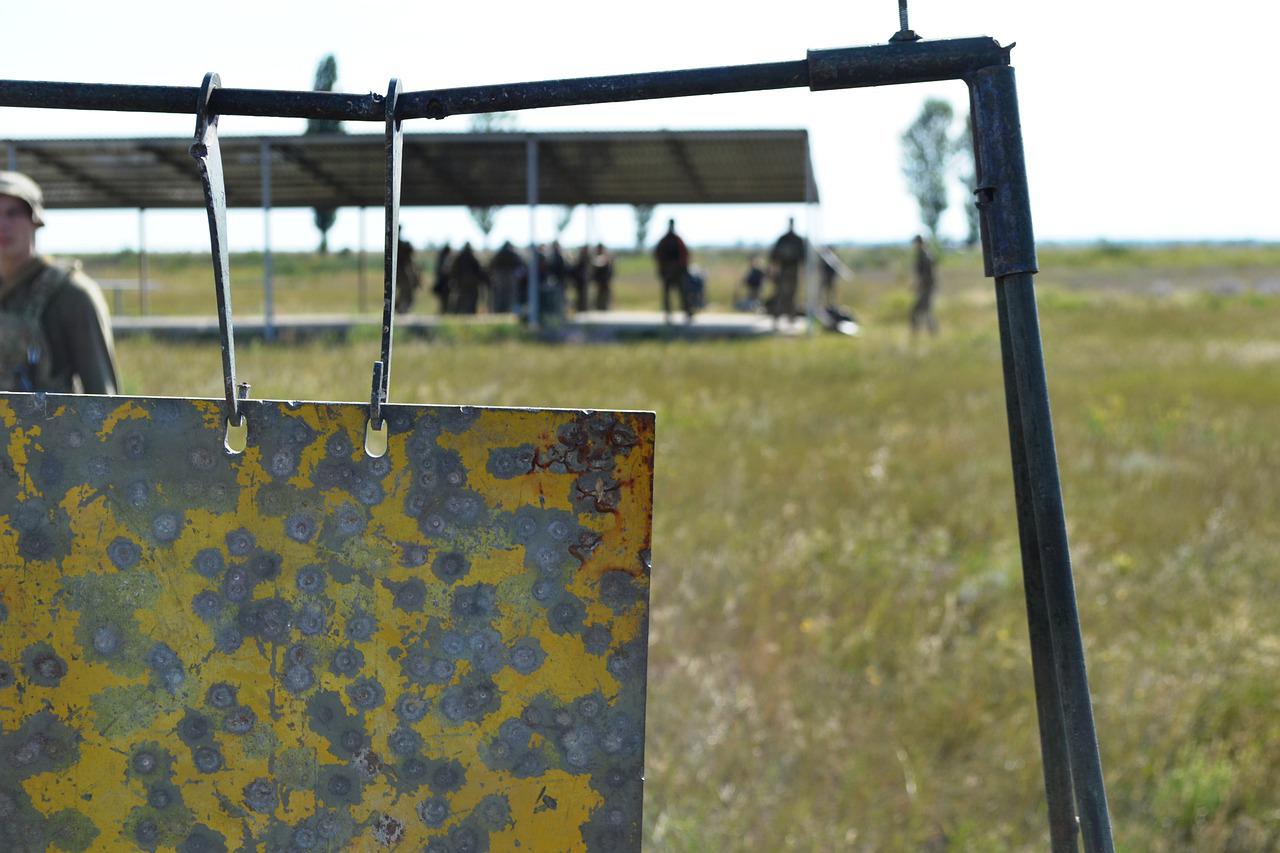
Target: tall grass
839, 656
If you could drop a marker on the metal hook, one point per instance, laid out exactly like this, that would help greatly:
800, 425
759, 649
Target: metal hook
395, 148
209, 160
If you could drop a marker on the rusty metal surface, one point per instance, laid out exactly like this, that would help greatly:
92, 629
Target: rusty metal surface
304, 648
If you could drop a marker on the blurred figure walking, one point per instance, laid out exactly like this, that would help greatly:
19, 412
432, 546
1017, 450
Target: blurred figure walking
672, 258
551, 292
441, 287
753, 283
504, 278
926, 285
466, 279
785, 258
407, 278
577, 274
602, 277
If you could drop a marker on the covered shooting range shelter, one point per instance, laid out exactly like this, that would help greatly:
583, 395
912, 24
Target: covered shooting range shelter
440, 169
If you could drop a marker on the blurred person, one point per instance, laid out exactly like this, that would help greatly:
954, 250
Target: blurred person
408, 279
695, 285
55, 332
602, 277
785, 258
551, 285
556, 267
578, 272
672, 258
753, 283
444, 259
505, 269
466, 280
537, 264
926, 286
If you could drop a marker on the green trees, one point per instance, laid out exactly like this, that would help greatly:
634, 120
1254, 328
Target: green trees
563, 220
484, 217
930, 156
926, 155
644, 213
326, 77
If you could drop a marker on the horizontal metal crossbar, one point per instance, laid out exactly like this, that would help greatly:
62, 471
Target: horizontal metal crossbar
841, 68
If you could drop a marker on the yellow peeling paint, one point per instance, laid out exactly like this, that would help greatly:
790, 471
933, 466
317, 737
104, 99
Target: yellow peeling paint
127, 412
112, 578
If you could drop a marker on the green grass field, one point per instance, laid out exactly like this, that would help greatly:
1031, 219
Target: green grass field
839, 654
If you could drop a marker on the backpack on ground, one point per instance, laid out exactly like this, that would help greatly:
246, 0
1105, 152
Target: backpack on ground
695, 285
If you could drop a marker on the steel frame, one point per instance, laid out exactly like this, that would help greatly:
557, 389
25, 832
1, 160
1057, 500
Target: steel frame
1074, 785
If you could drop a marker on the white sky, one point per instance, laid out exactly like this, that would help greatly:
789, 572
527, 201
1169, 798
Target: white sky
1140, 120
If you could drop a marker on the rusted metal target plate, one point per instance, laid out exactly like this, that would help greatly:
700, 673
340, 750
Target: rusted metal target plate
304, 648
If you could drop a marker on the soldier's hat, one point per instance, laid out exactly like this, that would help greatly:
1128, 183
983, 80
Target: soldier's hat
21, 187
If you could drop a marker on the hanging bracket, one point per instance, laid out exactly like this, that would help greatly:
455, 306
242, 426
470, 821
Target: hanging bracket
395, 159
209, 160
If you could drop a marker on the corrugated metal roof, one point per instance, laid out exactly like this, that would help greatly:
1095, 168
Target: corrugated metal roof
345, 170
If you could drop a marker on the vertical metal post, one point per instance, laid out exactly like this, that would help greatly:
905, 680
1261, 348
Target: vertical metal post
810, 268
142, 261
268, 283
531, 194
1009, 256
1063, 828
362, 287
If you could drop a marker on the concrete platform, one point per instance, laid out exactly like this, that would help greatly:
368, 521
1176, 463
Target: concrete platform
591, 325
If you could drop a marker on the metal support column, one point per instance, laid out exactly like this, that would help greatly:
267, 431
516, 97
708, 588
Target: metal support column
361, 286
810, 246
1063, 827
268, 284
1069, 742
531, 194
142, 261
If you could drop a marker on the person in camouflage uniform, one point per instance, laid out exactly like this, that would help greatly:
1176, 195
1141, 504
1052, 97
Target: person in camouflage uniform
926, 285
506, 270
672, 258
785, 258
602, 277
408, 279
55, 334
